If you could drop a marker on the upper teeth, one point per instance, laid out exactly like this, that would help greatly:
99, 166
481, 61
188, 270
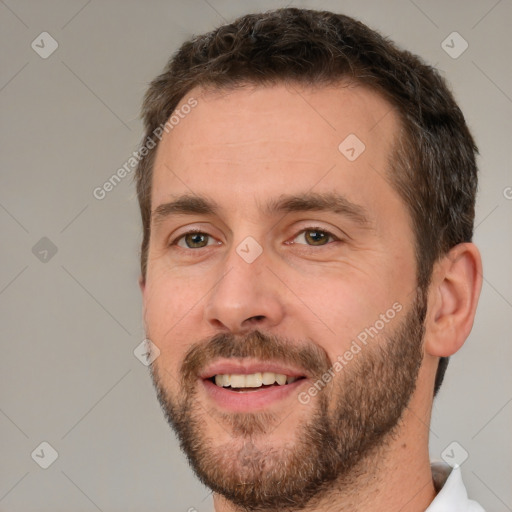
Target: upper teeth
252, 380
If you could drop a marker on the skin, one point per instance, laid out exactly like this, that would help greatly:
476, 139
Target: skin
242, 148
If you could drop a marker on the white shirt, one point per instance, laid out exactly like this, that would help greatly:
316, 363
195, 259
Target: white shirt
452, 495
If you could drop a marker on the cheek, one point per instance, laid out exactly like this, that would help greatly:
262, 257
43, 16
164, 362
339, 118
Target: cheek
172, 308
345, 309
354, 308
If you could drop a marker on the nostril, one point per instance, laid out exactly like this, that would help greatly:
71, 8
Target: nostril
257, 318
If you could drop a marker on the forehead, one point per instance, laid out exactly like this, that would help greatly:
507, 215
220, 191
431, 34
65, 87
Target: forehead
264, 141
284, 113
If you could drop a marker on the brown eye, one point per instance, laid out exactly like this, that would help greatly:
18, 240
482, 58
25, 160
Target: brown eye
194, 240
314, 237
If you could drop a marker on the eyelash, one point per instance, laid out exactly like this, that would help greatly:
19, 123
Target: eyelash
330, 235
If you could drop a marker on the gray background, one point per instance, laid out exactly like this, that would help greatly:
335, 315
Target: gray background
71, 320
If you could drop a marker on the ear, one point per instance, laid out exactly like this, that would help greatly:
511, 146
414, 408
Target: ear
453, 297
142, 284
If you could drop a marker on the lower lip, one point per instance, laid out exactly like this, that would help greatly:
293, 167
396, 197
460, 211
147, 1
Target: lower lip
247, 401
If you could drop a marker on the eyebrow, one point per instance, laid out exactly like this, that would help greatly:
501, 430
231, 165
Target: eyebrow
184, 205
191, 204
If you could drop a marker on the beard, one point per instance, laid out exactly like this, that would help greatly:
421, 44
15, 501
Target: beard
351, 419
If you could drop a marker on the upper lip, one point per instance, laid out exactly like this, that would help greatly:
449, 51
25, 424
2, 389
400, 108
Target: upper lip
241, 367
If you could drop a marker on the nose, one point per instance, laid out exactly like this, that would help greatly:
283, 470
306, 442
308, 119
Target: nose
246, 296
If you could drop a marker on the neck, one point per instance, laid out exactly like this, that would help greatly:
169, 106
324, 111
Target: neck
396, 477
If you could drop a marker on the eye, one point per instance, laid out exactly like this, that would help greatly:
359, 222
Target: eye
194, 240
315, 237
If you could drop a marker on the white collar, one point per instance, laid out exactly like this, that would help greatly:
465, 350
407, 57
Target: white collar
452, 495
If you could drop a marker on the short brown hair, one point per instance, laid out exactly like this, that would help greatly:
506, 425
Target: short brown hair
433, 163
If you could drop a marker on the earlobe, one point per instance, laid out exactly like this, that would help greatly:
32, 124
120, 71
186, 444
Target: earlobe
453, 297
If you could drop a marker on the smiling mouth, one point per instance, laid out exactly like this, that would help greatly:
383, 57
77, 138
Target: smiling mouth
252, 382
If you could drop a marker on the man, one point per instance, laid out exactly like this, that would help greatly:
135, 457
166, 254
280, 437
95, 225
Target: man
307, 193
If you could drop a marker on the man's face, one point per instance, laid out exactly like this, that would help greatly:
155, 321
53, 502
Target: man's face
276, 251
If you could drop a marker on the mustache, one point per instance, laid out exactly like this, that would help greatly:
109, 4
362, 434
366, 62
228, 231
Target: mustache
305, 355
